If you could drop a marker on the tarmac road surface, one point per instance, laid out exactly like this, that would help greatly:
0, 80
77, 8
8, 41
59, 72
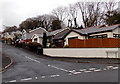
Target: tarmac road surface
29, 67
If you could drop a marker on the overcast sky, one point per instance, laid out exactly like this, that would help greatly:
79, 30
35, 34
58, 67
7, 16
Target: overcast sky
13, 12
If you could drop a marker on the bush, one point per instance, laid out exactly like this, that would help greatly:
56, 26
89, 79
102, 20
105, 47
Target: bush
53, 46
33, 46
66, 46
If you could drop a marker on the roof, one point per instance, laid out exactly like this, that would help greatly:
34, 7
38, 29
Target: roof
56, 31
96, 29
40, 28
39, 35
62, 34
86, 31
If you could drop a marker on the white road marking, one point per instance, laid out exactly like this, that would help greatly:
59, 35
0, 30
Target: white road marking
43, 77
49, 65
87, 71
73, 71
104, 69
36, 77
70, 74
83, 69
77, 73
26, 79
115, 68
92, 68
13, 81
54, 75
58, 68
109, 67
97, 70
32, 59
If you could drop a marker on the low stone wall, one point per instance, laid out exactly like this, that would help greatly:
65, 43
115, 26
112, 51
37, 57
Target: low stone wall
82, 52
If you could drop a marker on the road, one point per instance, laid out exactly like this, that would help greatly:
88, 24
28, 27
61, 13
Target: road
29, 67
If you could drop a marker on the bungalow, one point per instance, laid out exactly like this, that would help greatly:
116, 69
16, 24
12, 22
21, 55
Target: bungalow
61, 37
37, 38
92, 32
26, 34
50, 35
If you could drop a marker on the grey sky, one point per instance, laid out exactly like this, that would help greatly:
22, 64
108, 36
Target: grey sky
16, 11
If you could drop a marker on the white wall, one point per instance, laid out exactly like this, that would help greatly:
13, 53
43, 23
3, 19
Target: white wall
40, 41
82, 52
117, 31
73, 34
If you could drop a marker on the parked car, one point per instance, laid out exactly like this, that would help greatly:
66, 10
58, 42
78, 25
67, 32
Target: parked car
17, 42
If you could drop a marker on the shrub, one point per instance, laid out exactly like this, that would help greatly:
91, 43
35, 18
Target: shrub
53, 46
33, 46
66, 46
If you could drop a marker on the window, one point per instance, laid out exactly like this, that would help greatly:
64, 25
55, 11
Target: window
116, 35
35, 40
98, 36
104, 36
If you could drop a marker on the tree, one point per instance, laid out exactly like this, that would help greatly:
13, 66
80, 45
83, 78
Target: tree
72, 10
114, 19
56, 24
109, 7
61, 13
81, 27
44, 40
91, 13
47, 21
10, 29
44, 21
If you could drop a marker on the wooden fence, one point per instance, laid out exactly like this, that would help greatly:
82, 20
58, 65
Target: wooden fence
95, 43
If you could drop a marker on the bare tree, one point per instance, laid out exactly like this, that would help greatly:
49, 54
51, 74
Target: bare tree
109, 6
91, 13
47, 20
72, 11
61, 13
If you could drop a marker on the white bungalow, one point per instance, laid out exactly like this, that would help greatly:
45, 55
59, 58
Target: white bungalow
26, 34
37, 38
92, 32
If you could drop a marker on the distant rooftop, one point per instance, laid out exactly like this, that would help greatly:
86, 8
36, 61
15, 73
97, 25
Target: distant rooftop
96, 29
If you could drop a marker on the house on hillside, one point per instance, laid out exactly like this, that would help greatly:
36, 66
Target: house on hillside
26, 34
61, 37
50, 36
91, 32
11, 36
37, 38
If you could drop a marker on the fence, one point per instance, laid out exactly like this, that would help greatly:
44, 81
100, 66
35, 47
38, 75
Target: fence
95, 43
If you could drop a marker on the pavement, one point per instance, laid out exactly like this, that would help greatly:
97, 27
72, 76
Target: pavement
30, 67
6, 63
